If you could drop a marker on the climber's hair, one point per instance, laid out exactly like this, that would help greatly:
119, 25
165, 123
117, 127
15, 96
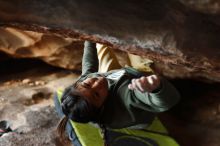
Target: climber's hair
61, 129
75, 107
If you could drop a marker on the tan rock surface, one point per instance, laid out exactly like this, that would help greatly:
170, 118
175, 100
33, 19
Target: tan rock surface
55, 50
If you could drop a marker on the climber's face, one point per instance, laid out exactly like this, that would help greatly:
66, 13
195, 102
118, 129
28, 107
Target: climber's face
95, 90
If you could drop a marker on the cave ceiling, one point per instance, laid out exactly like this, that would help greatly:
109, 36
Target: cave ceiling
181, 36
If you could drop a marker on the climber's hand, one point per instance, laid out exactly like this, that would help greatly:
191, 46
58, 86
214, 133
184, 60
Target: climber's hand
145, 83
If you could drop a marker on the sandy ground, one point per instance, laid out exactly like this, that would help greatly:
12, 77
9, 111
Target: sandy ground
26, 101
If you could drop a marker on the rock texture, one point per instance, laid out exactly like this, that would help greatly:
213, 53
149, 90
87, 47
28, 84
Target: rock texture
39, 121
196, 119
205, 6
173, 33
53, 49
26, 101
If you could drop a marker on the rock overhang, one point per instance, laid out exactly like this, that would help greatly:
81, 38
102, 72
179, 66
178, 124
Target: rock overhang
177, 35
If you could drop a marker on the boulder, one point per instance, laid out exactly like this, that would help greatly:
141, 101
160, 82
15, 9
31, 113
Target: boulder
183, 40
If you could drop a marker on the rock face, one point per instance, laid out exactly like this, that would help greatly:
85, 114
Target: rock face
207, 6
176, 34
181, 39
52, 49
55, 50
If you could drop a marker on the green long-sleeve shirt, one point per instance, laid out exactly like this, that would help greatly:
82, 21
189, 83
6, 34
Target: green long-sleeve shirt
124, 107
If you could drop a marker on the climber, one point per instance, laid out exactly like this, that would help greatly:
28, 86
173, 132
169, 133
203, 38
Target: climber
113, 97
